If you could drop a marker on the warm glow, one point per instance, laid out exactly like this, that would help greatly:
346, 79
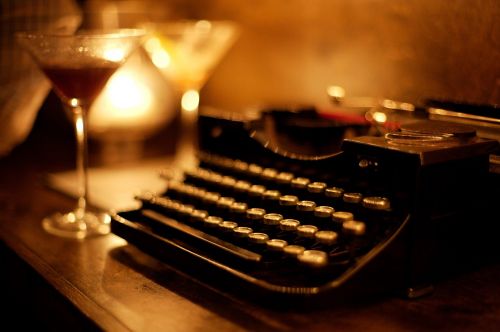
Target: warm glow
73, 102
335, 91
379, 117
159, 55
190, 100
160, 58
114, 54
79, 125
128, 98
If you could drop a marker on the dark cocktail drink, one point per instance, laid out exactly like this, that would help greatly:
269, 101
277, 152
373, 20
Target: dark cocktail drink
83, 82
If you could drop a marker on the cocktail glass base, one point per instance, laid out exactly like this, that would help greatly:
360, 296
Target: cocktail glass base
69, 226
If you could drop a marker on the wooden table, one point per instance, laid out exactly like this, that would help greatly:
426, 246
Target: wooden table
104, 283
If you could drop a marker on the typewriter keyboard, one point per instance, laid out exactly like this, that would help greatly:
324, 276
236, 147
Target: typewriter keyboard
290, 232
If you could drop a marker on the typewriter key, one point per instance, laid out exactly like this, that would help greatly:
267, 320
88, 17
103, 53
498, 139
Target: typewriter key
305, 235
269, 174
276, 245
254, 171
354, 227
258, 238
305, 210
326, 239
212, 221
339, 217
288, 204
323, 216
377, 203
316, 191
227, 228
284, 179
271, 222
313, 258
299, 186
198, 216
255, 216
270, 200
293, 250
255, 193
242, 232
288, 228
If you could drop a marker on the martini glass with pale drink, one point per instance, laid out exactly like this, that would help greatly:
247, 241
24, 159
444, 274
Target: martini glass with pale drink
78, 67
186, 52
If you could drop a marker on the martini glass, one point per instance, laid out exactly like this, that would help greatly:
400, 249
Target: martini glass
78, 67
186, 52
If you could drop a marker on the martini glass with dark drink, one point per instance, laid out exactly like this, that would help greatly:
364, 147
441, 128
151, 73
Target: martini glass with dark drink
79, 66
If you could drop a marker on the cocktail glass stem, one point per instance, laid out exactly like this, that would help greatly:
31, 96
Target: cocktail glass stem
80, 114
188, 140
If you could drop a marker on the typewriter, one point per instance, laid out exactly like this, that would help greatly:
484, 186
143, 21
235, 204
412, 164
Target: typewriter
291, 206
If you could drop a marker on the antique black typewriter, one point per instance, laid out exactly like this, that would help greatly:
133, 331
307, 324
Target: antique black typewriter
294, 205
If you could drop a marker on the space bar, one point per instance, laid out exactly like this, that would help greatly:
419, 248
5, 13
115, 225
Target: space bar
194, 236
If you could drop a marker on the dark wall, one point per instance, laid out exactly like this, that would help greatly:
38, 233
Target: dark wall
290, 50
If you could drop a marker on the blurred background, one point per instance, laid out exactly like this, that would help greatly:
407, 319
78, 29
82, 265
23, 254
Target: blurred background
289, 51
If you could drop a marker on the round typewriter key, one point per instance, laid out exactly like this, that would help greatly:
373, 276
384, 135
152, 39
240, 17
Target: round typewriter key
323, 211
211, 198
255, 216
306, 231
185, 212
238, 211
377, 203
270, 199
342, 216
255, 193
255, 213
305, 210
289, 224
256, 190
316, 187
242, 232
224, 205
313, 258
269, 174
293, 250
254, 170
353, 227
240, 166
300, 183
352, 198
258, 238
197, 216
212, 222
272, 219
306, 206
326, 238
284, 178
228, 226
334, 192
276, 245
215, 178
338, 218
288, 228
228, 182
241, 189
299, 186
315, 192
288, 204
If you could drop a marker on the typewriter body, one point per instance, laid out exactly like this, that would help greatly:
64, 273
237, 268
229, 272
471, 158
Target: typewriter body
290, 207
